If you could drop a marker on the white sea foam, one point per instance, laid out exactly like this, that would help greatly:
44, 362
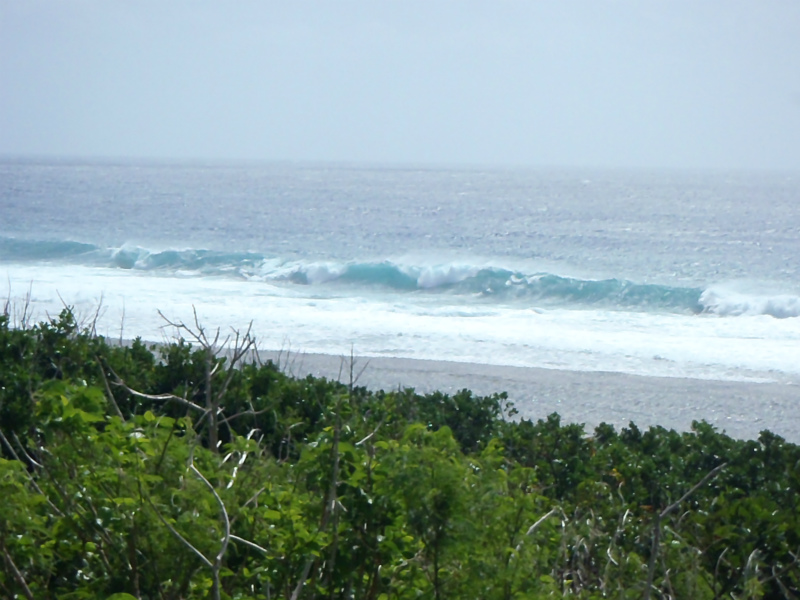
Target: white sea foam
757, 347
438, 275
129, 256
318, 273
727, 302
423, 269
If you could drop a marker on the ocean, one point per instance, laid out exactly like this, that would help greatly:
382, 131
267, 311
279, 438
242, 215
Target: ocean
655, 273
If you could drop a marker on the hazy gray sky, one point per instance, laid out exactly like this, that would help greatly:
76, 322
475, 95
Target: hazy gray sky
684, 83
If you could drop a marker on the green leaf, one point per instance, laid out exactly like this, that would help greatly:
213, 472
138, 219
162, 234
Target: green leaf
345, 447
88, 417
124, 501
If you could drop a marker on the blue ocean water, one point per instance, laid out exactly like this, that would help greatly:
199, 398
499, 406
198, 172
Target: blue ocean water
686, 274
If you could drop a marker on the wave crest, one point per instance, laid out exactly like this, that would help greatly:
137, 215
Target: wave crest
732, 304
487, 283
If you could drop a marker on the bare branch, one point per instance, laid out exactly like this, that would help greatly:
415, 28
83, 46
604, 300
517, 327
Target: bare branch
541, 520
361, 441
17, 574
158, 397
7, 303
716, 569
19, 316
710, 475
215, 569
351, 364
779, 573
180, 538
254, 497
92, 326
242, 343
108, 389
183, 401
179, 325
536, 525
360, 373
21, 446
236, 538
122, 323
226, 539
30, 477
8, 445
252, 412
303, 577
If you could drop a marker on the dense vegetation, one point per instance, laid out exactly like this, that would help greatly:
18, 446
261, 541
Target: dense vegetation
183, 471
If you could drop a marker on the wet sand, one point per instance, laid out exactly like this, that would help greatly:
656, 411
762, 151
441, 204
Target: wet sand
741, 409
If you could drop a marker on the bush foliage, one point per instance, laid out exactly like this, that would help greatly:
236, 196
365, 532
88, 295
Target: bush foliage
181, 471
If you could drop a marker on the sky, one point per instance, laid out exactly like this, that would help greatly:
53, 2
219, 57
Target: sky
608, 83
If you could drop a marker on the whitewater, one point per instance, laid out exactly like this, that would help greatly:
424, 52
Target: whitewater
650, 273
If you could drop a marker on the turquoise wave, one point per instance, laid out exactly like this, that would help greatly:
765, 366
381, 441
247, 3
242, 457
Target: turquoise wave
489, 283
202, 261
473, 282
506, 285
25, 250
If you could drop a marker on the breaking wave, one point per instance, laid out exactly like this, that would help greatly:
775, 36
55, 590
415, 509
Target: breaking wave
734, 304
489, 283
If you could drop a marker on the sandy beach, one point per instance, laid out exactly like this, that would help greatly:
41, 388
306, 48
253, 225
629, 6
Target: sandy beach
741, 409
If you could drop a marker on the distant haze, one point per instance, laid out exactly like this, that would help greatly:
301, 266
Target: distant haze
628, 83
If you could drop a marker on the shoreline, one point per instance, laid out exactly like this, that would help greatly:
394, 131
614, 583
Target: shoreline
740, 409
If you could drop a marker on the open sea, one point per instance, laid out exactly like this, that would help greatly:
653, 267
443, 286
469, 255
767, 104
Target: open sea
655, 273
